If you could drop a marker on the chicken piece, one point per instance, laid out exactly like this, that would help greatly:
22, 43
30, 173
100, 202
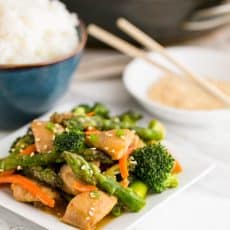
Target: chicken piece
60, 117
114, 142
137, 143
69, 179
43, 136
87, 209
22, 195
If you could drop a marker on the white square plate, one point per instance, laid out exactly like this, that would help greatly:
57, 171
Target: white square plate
194, 164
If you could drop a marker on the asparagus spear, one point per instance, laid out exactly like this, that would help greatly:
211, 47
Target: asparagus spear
43, 159
152, 132
46, 175
81, 168
91, 174
15, 161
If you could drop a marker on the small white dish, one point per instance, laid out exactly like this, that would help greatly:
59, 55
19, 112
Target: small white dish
139, 76
195, 166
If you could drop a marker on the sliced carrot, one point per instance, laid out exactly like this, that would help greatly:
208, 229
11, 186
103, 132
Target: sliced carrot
90, 114
29, 186
81, 187
28, 150
7, 173
177, 168
123, 165
125, 182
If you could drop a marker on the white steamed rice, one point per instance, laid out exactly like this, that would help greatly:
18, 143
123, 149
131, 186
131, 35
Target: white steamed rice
33, 31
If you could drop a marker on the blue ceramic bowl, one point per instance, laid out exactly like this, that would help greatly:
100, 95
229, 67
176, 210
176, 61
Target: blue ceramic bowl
27, 91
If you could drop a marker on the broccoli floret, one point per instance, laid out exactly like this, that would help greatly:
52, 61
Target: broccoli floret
69, 141
154, 166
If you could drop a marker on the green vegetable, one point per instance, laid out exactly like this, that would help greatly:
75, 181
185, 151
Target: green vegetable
50, 126
45, 175
155, 131
100, 110
159, 128
81, 168
21, 143
91, 174
117, 210
92, 154
101, 121
42, 159
171, 181
154, 166
93, 138
83, 122
112, 171
115, 169
120, 132
82, 109
129, 119
139, 188
69, 141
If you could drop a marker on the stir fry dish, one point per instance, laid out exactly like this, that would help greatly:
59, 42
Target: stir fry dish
86, 164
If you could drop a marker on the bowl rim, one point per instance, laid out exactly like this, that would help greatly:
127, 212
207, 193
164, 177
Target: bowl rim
79, 48
156, 105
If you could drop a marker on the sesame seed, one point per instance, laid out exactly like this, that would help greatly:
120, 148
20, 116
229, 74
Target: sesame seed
53, 137
37, 139
90, 128
108, 134
131, 158
106, 148
123, 137
113, 150
92, 209
19, 167
1, 170
87, 218
81, 120
45, 147
93, 148
92, 194
91, 213
32, 154
83, 167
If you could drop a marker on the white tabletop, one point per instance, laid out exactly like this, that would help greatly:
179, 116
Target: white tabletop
206, 205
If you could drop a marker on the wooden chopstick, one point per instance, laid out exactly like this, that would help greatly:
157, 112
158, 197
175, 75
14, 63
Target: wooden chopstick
124, 47
153, 45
